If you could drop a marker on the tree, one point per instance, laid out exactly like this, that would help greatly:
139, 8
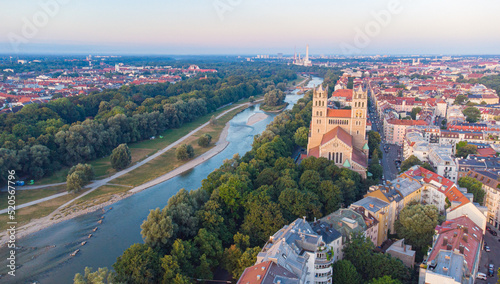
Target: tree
275, 97
251, 99
78, 177
184, 152
473, 186
414, 112
121, 157
374, 141
464, 151
158, 229
101, 276
385, 280
416, 224
344, 272
301, 136
247, 259
414, 161
461, 100
138, 264
205, 140
473, 114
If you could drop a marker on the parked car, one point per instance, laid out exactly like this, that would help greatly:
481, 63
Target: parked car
481, 276
491, 270
487, 248
493, 233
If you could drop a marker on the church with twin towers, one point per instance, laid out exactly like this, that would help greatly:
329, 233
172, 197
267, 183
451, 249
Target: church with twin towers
340, 134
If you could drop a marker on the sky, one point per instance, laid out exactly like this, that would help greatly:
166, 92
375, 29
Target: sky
189, 27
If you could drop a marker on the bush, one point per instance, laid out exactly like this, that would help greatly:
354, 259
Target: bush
184, 152
121, 157
204, 140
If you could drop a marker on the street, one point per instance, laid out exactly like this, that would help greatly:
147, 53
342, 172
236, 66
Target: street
389, 158
490, 257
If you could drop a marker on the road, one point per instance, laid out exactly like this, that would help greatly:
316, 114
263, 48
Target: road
490, 257
393, 154
98, 183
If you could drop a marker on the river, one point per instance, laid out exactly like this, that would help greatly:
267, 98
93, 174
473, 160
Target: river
45, 255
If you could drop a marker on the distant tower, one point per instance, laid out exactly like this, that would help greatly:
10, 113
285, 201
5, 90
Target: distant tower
307, 53
117, 68
294, 55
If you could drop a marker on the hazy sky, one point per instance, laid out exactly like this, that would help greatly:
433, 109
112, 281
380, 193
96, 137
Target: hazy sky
250, 26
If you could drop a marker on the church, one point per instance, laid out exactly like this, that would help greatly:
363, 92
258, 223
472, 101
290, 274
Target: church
340, 134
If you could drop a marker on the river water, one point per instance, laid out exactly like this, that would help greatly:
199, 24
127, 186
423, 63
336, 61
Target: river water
45, 256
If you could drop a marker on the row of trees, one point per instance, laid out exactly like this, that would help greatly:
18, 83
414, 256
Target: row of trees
224, 223
40, 139
375, 168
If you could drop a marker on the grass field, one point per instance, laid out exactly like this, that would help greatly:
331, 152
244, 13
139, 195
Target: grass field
274, 108
25, 196
24, 215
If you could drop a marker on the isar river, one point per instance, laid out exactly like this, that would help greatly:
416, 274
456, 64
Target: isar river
44, 257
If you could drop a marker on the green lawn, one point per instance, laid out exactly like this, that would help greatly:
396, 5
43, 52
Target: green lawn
25, 196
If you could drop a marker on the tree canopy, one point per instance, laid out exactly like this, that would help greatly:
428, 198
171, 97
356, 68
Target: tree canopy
121, 157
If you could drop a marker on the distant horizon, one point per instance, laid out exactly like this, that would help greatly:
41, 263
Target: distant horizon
221, 27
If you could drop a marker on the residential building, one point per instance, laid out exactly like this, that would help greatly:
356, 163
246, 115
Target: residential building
455, 253
298, 249
491, 185
403, 252
267, 272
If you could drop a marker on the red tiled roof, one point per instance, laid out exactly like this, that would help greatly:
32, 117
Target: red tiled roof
470, 239
346, 93
314, 152
344, 113
338, 132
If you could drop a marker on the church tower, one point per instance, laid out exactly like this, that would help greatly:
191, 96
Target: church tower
319, 114
358, 117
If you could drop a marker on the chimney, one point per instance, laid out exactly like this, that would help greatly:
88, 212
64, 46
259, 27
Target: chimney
445, 241
304, 217
465, 238
448, 247
314, 219
461, 248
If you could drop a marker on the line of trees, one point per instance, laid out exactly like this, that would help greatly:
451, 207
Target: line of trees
226, 221
40, 139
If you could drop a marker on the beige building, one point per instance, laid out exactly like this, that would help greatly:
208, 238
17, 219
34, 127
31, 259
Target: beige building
340, 134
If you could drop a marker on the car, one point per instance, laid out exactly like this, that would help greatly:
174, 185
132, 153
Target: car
481, 276
493, 233
491, 270
488, 229
487, 248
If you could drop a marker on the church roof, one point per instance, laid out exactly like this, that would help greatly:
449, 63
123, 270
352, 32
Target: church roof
359, 157
314, 152
338, 132
344, 113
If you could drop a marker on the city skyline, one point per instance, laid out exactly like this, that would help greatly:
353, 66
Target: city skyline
251, 27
